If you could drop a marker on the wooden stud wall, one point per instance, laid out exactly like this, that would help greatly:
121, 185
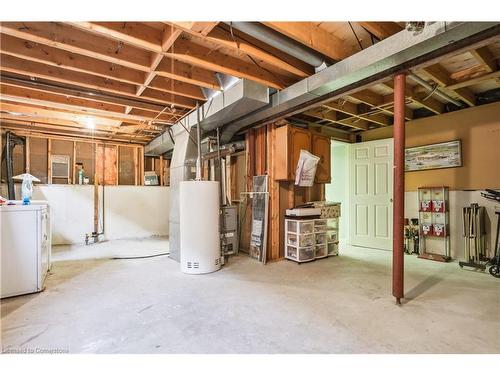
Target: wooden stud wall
260, 158
53, 146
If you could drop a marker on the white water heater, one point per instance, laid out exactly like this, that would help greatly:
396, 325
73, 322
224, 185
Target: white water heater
199, 227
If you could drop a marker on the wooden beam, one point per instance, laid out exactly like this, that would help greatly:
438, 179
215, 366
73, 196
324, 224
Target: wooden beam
76, 41
368, 97
220, 37
199, 55
70, 39
27, 155
198, 28
352, 110
169, 37
184, 72
20, 66
474, 81
175, 87
484, 56
314, 37
96, 113
26, 93
40, 53
55, 57
331, 115
412, 94
381, 30
49, 164
76, 92
133, 33
322, 114
74, 162
441, 76
41, 130
427, 102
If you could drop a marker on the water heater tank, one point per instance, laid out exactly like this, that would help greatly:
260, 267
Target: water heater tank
199, 227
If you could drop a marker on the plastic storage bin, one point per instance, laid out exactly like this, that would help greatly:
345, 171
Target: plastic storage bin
300, 254
300, 226
333, 248
301, 240
321, 251
320, 238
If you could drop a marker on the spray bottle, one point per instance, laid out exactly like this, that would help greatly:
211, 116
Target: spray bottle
27, 186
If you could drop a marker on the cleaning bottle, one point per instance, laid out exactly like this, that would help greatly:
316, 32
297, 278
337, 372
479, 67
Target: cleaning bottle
80, 176
27, 186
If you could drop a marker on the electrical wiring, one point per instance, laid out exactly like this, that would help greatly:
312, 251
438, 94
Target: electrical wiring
356, 36
140, 257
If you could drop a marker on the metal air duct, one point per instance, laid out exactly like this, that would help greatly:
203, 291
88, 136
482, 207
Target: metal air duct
281, 42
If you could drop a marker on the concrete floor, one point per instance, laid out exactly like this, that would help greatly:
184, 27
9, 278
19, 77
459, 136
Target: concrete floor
334, 305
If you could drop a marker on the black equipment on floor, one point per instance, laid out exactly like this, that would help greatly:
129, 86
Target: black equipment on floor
474, 231
495, 261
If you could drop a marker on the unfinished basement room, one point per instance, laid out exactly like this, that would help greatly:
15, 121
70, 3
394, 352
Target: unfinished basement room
249, 187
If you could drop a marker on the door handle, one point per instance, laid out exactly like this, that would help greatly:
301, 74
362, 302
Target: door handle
390, 200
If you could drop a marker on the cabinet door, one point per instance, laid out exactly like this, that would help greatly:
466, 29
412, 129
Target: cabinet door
321, 148
300, 140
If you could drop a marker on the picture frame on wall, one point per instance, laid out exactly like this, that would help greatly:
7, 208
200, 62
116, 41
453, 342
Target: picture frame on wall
434, 156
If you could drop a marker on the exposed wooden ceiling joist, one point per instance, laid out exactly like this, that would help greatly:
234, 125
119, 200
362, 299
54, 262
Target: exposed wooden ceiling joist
223, 38
30, 68
484, 56
76, 92
314, 37
442, 78
36, 128
197, 54
381, 30
70, 39
34, 98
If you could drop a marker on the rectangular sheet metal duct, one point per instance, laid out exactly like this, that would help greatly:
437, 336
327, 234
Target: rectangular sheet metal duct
240, 99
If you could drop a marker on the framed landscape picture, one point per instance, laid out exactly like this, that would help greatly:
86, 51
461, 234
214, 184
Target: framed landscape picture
434, 156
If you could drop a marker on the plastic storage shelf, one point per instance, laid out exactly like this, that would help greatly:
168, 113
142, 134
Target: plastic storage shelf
308, 239
434, 218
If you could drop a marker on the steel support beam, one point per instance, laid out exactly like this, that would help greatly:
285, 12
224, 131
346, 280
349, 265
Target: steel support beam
398, 188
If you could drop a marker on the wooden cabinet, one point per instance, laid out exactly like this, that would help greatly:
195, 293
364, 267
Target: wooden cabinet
289, 141
321, 147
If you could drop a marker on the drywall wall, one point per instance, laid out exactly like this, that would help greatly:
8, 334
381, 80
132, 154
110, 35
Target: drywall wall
129, 211
136, 211
459, 199
338, 189
479, 130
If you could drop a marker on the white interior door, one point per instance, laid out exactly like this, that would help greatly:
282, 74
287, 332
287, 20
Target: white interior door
370, 196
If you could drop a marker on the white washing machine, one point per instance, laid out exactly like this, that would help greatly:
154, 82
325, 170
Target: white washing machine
25, 246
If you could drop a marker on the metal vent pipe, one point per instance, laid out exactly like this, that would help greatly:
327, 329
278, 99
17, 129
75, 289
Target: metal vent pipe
434, 90
281, 42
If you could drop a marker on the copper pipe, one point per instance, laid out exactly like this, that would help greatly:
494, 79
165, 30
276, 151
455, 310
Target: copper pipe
398, 188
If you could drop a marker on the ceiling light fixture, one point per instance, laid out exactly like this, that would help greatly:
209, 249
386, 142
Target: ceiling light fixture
89, 123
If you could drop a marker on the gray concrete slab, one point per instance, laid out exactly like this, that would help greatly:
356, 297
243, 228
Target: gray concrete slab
334, 305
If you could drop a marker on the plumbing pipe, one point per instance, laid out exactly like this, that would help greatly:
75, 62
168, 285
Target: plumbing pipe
398, 188
198, 142
281, 42
434, 90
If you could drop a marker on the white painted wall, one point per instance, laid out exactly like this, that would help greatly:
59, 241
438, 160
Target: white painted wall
129, 211
338, 189
459, 199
